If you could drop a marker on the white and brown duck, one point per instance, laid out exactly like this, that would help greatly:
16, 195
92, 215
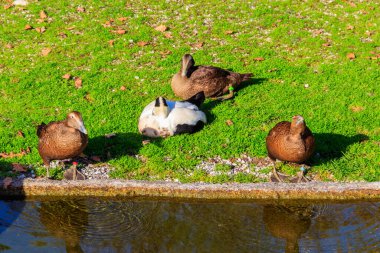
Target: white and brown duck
60, 140
290, 142
163, 118
213, 81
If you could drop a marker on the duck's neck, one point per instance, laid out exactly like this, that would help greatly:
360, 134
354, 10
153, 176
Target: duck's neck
187, 63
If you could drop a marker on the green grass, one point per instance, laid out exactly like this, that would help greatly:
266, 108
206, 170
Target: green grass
341, 104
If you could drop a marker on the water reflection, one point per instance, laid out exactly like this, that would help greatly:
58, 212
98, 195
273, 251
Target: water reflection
289, 222
99, 225
66, 220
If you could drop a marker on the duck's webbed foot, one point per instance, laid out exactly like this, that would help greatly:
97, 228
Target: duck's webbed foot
228, 96
278, 177
73, 174
300, 178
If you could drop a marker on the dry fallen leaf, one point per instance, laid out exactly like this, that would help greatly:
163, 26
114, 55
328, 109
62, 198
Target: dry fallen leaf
78, 83
259, 59
62, 35
350, 27
111, 42
70, 28
229, 122
229, 32
352, 4
28, 27
45, 51
326, 44
356, 108
120, 31
168, 35
145, 142
43, 14
161, 28
66, 76
20, 134
142, 43
88, 98
18, 167
7, 182
198, 45
81, 9
7, 6
122, 19
123, 88
41, 29
351, 56
165, 53
9, 46
12, 155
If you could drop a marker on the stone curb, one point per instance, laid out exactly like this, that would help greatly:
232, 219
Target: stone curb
246, 191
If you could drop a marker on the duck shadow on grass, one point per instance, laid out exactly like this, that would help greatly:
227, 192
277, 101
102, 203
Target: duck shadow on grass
116, 145
332, 146
209, 104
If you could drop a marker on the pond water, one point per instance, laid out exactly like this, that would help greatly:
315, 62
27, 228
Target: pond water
148, 225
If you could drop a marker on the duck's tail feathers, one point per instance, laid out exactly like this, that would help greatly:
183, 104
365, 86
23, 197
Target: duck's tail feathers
40, 128
246, 77
197, 99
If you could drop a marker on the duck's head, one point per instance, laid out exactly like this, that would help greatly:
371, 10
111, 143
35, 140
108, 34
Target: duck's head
161, 108
187, 63
74, 120
298, 124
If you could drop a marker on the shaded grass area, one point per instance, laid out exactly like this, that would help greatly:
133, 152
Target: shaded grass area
305, 71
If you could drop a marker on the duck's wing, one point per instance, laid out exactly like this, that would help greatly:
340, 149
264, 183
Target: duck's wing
208, 73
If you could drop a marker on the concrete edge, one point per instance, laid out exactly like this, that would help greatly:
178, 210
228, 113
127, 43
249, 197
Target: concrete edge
246, 191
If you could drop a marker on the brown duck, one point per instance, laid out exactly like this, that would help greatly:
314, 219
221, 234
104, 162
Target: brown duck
213, 81
291, 142
62, 140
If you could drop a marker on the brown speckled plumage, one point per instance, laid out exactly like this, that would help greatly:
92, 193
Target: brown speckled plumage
290, 141
62, 139
213, 81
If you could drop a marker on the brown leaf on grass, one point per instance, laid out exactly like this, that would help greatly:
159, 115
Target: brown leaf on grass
88, 97
66, 76
369, 33
165, 53
123, 88
352, 4
259, 59
111, 42
20, 134
161, 28
45, 51
81, 9
16, 167
43, 14
122, 19
8, 6
350, 27
108, 23
142, 43
198, 45
229, 32
9, 46
120, 31
70, 28
326, 44
78, 83
356, 108
28, 27
145, 142
351, 56
41, 29
12, 155
62, 35
168, 35
229, 122
7, 182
